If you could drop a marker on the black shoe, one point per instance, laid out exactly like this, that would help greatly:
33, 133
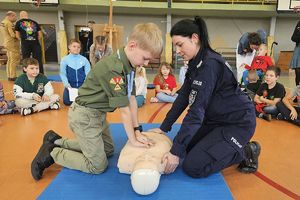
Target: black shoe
250, 164
42, 160
280, 116
267, 117
50, 137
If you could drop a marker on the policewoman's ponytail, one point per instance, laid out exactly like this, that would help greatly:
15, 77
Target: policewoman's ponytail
203, 34
188, 27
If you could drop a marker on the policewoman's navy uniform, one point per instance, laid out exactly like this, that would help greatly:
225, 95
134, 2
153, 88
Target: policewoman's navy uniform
220, 119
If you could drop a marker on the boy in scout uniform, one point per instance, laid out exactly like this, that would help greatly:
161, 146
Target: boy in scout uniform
109, 85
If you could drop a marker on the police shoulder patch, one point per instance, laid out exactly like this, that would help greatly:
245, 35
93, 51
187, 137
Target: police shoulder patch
192, 97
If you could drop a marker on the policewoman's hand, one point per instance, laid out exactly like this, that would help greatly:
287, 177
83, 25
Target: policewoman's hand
172, 162
156, 130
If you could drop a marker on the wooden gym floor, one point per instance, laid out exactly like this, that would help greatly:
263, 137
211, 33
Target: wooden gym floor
278, 176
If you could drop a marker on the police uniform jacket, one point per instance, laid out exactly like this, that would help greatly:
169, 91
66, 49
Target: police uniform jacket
109, 84
214, 98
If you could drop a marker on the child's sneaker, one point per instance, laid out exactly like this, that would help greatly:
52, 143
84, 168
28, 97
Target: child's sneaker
267, 117
280, 116
55, 106
26, 111
153, 100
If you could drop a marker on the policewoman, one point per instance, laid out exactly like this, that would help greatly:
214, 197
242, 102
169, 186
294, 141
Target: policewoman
220, 119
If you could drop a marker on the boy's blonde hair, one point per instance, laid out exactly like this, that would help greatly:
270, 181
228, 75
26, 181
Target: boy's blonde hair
148, 37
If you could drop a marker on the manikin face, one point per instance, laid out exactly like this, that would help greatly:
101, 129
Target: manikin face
32, 71
262, 50
271, 77
74, 48
165, 71
186, 47
138, 56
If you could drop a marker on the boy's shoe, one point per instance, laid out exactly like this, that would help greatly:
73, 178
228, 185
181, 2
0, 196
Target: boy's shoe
26, 111
55, 106
50, 137
250, 164
42, 160
267, 117
280, 116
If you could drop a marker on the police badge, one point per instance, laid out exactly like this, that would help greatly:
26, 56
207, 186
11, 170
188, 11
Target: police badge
192, 97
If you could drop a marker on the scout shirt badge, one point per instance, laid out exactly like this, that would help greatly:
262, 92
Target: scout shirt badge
117, 82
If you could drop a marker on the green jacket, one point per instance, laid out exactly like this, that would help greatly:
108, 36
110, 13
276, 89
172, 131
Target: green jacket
106, 85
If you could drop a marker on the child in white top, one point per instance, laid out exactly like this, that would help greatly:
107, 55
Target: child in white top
183, 71
141, 85
33, 91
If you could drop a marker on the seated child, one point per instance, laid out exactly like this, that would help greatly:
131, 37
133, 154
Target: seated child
140, 85
269, 94
165, 84
99, 49
253, 84
145, 164
6, 107
182, 72
73, 69
33, 91
259, 63
286, 108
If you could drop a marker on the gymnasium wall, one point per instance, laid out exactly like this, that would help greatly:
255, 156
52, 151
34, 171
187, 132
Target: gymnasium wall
223, 32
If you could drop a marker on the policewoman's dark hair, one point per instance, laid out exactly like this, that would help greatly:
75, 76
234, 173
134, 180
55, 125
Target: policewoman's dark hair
188, 27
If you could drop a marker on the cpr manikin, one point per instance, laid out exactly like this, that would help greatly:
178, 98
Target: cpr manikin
145, 164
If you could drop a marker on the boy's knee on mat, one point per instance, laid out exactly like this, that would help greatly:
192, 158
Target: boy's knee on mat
100, 167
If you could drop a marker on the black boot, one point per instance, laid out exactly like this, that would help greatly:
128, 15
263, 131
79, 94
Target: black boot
250, 164
42, 160
50, 137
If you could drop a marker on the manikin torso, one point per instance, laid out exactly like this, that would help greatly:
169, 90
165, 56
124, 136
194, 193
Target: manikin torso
134, 158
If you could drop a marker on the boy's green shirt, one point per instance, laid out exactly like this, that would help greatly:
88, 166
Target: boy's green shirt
105, 87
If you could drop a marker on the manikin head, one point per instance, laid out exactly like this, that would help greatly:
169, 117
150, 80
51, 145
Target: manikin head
145, 176
145, 164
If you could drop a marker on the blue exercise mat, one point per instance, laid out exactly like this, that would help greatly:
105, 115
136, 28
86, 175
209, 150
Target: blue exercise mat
71, 184
55, 78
